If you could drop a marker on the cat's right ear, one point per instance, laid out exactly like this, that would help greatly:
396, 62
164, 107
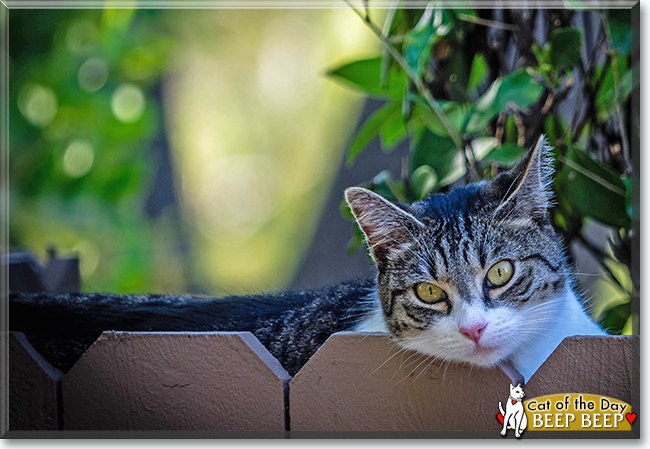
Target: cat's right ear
387, 227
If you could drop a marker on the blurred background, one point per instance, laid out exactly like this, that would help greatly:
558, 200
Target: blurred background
204, 151
180, 151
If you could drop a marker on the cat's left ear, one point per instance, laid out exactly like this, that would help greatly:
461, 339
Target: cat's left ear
527, 186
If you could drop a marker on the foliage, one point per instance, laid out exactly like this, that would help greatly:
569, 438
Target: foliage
84, 104
472, 89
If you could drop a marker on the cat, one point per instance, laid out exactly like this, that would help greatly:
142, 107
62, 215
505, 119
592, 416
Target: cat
476, 276
514, 417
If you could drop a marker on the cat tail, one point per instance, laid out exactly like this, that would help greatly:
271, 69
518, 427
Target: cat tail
501, 409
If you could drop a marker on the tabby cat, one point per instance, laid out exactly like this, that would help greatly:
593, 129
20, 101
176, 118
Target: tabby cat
477, 275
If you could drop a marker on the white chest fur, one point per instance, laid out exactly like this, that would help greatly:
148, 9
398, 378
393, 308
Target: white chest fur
570, 320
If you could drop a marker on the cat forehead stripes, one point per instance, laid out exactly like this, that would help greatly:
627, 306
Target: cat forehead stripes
488, 246
519, 197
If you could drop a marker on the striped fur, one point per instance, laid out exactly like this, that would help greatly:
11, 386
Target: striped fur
452, 240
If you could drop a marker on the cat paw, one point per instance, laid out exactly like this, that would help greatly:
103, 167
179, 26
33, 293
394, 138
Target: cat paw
503, 432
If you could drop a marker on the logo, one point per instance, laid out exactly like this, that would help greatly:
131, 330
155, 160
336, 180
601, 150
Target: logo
514, 416
564, 412
579, 412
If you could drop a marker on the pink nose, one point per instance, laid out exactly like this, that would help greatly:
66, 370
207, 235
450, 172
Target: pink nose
474, 331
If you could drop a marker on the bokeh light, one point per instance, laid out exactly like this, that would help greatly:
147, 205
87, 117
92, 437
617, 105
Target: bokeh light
128, 103
78, 158
181, 151
89, 257
93, 74
81, 36
38, 104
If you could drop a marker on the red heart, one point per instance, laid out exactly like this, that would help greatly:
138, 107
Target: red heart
500, 417
514, 402
631, 417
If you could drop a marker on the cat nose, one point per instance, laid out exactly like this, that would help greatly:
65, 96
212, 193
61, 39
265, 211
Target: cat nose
474, 331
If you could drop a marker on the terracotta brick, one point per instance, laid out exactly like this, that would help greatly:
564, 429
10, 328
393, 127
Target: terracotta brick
33, 385
179, 381
361, 382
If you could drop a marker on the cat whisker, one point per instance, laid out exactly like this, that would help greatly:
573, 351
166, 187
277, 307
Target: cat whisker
426, 368
413, 370
471, 367
403, 362
367, 334
388, 360
444, 373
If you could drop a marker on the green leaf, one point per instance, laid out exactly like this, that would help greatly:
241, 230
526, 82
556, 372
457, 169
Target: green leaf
419, 41
631, 200
423, 181
620, 28
345, 211
613, 320
389, 188
550, 121
518, 87
424, 116
506, 155
478, 73
393, 131
564, 47
370, 129
594, 189
482, 146
356, 241
439, 153
540, 54
407, 102
365, 74
621, 273
606, 95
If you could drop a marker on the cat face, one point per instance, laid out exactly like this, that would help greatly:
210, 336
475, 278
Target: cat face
468, 276
517, 392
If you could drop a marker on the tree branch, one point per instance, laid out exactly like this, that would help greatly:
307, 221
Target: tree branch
487, 22
417, 81
617, 93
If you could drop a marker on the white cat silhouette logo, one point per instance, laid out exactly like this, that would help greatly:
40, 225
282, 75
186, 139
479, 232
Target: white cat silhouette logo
514, 417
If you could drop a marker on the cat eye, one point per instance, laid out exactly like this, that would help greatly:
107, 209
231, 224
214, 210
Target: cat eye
500, 273
428, 292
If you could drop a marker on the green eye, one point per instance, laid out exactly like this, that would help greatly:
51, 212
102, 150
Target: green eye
428, 292
500, 273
